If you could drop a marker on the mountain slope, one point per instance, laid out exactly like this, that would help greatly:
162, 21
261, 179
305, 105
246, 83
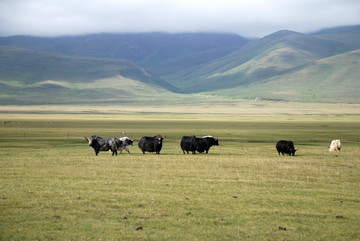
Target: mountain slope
334, 79
349, 35
28, 67
257, 60
30, 77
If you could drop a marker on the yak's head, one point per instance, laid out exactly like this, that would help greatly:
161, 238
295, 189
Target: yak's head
213, 141
130, 142
127, 141
159, 139
91, 140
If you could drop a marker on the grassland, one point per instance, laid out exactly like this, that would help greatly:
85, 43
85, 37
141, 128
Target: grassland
53, 187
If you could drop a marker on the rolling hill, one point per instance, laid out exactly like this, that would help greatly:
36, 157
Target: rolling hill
334, 79
28, 66
28, 77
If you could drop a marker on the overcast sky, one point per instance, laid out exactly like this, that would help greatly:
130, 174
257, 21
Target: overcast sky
249, 18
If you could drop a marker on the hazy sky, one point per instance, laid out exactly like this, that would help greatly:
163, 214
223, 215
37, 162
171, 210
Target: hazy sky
249, 18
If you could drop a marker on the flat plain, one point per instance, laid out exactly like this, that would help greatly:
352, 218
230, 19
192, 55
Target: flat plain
53, 187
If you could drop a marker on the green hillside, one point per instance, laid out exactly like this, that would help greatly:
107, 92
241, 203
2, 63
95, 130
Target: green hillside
115, 90
334, 79
28, 67
28, 77
256, 61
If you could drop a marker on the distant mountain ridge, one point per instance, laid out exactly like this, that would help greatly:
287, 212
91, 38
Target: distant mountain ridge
349, 35
28, 67
157, 52
31, 77
220, 64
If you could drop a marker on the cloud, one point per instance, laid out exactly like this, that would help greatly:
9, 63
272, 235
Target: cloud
247, 18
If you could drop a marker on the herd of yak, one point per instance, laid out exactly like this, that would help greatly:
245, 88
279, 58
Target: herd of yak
188, 144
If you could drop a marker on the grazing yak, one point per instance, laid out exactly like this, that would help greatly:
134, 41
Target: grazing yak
335, 145
126, 142
205, 143
103, 144
193, 144
188, 143
285, 147
151, 144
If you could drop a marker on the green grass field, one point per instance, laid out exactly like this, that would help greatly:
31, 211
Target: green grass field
53, 187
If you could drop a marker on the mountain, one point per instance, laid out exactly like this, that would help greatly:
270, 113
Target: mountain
258, 60
284, 66
349, 35
28, 76
28, 67
160, 53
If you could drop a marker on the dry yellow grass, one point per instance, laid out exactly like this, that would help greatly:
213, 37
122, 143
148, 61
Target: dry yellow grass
226, 107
